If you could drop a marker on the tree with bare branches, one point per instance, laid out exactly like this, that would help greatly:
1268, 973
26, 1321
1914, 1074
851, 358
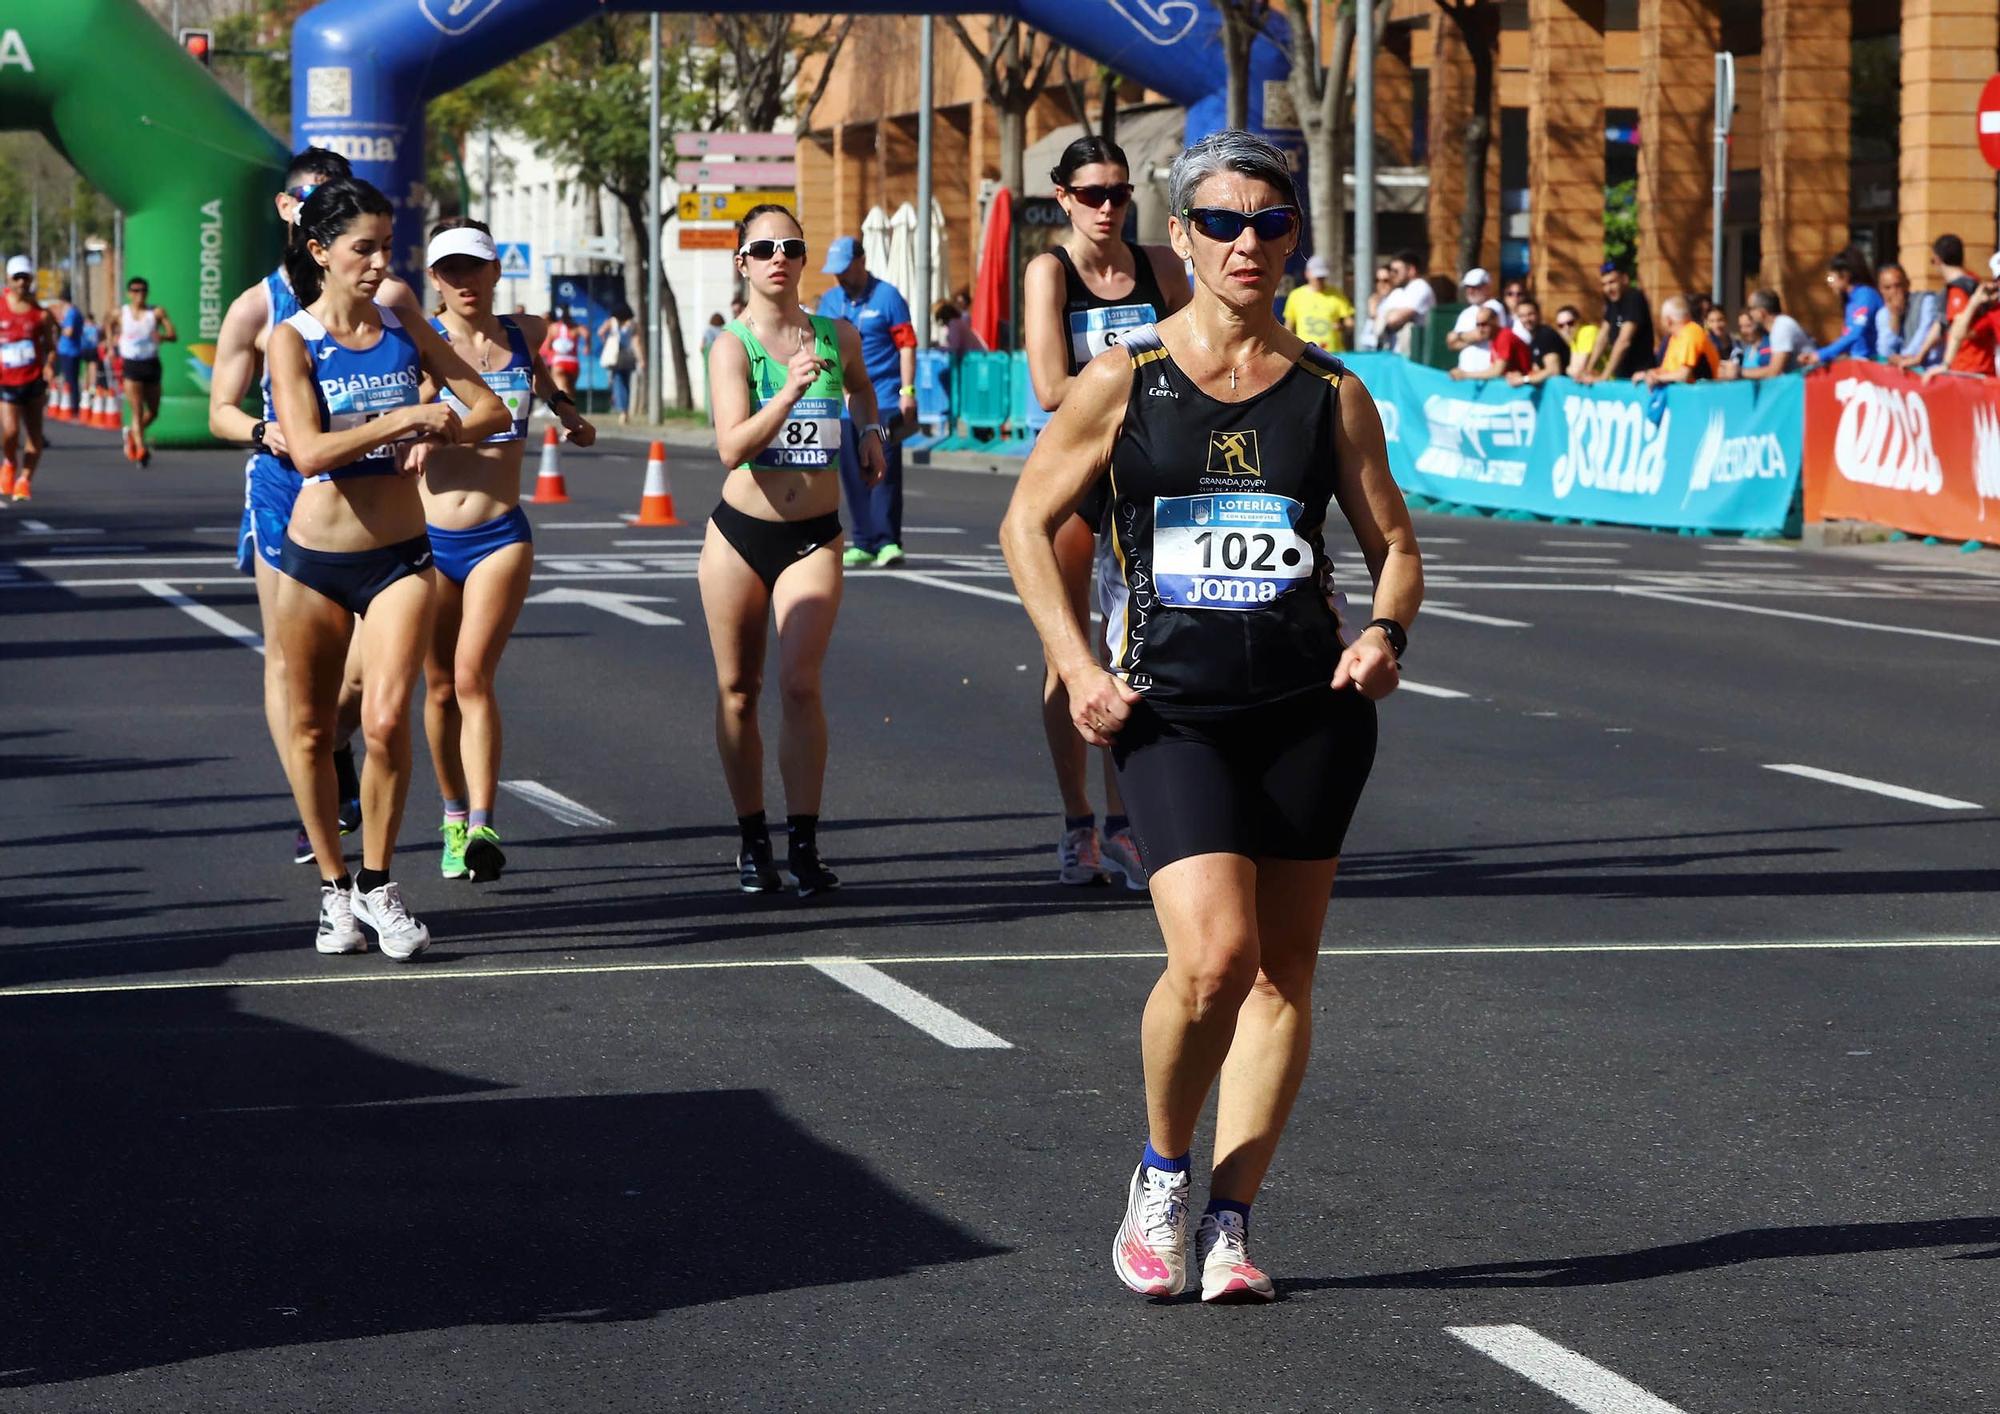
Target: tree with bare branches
1323, 95
766, 54
1014, 70
1478, 24
1242, 20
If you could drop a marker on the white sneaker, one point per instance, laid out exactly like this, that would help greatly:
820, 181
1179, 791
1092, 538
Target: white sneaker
1121, 853
398, 934
337, 933
1150, 1254
1077, 857
1222, 1246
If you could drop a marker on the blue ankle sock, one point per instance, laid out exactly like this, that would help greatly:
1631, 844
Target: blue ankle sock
476, 818
454, 810
1114, 823
1154, 1159
1223, 1205
1079, 822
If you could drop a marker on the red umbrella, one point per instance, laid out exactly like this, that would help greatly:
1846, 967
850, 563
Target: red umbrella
989, 293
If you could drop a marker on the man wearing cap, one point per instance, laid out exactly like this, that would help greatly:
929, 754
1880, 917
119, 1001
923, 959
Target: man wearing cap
27, 342
1974, 343
1317, 312
1624, 344
1477, 287
889, 349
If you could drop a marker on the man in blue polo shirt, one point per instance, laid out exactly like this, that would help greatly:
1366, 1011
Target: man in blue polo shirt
889, 348
1848, 273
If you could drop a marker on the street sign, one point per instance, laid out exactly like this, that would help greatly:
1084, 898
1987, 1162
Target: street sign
731, 205
1989, 122
517, 260
736, 144
708, 238
737, 174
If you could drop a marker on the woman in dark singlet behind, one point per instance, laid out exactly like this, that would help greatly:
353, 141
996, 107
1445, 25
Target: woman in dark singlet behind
1077, 300
1240, 712
778, 380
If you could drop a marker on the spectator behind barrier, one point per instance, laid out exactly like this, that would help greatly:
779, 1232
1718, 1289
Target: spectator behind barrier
1690, 356
1624, 345
1477, 287
1907, 320
1494, 351
1716, 322
1847, 273
1399, 310
1786, 341
1753, 345
1976, 331
1548, 355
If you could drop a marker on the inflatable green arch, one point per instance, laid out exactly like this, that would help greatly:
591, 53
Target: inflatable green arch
152, 130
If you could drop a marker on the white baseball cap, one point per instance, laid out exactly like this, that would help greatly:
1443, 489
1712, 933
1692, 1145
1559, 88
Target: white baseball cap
1318, 266
20, 265
1475, 277
461, 240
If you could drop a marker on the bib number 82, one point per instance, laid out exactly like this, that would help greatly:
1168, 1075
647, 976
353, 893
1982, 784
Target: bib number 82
1237, 550
802, 434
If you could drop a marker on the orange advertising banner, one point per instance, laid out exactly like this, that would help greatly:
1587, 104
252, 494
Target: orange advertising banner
1922, 455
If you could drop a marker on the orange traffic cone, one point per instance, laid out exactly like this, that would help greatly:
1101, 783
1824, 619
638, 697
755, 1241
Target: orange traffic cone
550, 489
60, 407
104, 411
656, 503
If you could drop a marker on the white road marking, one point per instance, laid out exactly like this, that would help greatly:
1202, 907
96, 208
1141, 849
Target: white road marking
1426, 690
938, 1022
202, 614
1583, 1384
42, 527
131, 560
940, 583
1599, 544
1808, 618
581, 525
694, 543
1894, 792
558, 807
1571, 560
624, 606
217, 529
583, 969
1439, 611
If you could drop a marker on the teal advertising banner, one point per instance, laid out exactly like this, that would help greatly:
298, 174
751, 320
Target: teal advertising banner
1704, 456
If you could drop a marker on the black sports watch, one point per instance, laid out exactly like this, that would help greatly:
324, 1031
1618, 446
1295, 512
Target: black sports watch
1398, 638
257, 435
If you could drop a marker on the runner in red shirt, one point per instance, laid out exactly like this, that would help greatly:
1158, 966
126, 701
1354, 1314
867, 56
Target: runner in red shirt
562, 350
27, 342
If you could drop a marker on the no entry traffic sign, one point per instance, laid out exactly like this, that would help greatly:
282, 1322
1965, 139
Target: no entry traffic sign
1989, 122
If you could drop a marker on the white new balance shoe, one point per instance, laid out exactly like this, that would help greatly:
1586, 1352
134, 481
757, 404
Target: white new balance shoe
1150, 1253
337, 933
400, 936
1222, 1247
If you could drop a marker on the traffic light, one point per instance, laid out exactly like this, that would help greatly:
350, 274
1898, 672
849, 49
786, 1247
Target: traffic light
201, 44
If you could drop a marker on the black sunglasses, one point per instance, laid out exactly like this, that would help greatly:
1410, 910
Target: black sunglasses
792, 248
1220, 223
1094, 196
301, 193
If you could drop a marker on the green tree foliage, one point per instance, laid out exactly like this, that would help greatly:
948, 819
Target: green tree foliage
1621, 223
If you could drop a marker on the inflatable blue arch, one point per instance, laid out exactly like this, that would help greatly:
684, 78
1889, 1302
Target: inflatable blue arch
362, 70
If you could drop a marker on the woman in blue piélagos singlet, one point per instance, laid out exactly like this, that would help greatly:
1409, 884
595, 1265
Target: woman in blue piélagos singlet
778, 378
1078, 299
483, 548
345, 380
1240, 712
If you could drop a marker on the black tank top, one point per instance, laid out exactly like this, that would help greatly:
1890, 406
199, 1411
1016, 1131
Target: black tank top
1217, 519
1092, 324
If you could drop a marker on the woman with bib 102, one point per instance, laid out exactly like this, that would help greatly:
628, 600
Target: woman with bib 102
778, 378
1240, 713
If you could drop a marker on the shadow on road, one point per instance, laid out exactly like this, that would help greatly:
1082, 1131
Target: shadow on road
185, 1180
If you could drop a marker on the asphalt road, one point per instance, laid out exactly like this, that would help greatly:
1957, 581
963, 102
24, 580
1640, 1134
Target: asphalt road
1646, 1072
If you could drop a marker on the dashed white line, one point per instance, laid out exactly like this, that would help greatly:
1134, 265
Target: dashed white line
1589, 544
1439, 611
1581, 1383
1424, 689
1894, 792
933, 1019
1826, 619
974, 589
557, 806
1572, 560
582, 525
202, 614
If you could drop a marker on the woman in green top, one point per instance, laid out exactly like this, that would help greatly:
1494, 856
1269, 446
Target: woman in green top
773, 544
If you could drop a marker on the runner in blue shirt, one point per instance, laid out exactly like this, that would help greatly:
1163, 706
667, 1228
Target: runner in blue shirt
1848, 274
889, 348
69, 348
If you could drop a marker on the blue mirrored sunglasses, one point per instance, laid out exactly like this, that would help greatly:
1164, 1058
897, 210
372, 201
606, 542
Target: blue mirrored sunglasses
1220, 223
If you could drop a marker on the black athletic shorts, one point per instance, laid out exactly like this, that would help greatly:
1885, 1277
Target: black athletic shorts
141, 370
770, 547
353, 579
24, 394
1277, 781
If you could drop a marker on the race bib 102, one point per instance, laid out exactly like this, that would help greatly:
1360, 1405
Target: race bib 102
1092, 331
1238, 551
808, 440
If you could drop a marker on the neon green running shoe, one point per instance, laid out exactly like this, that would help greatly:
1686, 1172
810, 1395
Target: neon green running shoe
854, 557
452, 864
482, 854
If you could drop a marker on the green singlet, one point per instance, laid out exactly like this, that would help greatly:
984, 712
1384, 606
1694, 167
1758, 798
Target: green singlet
810, 438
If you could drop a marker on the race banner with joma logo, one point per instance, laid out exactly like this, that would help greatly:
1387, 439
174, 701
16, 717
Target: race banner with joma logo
1710, 456
1922, 455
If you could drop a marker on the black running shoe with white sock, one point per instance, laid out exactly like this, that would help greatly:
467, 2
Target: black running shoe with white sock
756, 873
